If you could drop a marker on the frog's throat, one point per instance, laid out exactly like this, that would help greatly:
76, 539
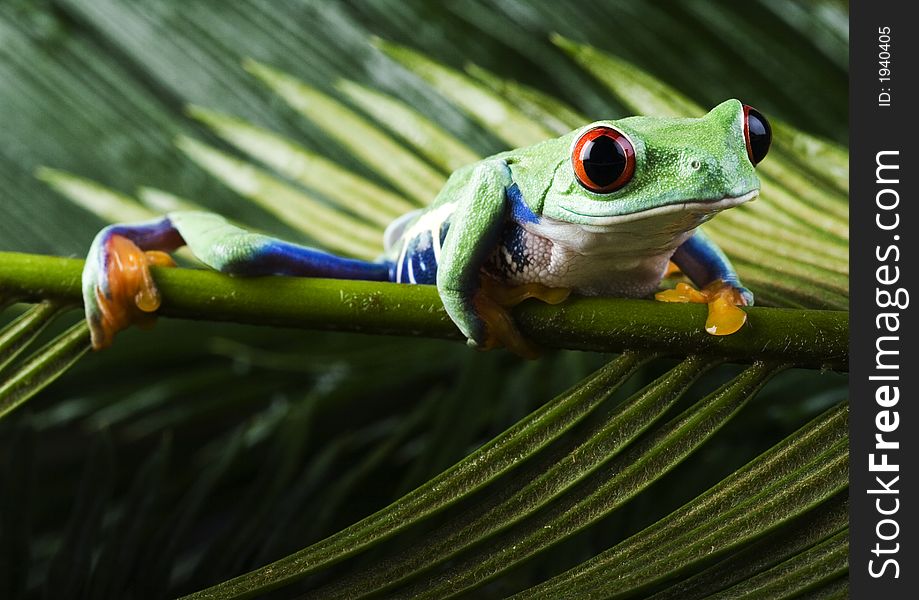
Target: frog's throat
699, 206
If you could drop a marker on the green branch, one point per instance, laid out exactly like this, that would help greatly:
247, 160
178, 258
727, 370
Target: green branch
811, 338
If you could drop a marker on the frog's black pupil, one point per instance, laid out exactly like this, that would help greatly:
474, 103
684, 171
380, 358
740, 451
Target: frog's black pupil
760, 134
604, 160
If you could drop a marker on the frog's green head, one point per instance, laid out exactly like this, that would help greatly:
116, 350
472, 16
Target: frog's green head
640, 167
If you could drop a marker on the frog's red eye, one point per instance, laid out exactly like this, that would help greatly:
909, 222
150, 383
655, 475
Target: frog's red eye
603, 160
757, 134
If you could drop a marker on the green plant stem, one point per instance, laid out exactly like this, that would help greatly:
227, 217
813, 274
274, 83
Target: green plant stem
807, 338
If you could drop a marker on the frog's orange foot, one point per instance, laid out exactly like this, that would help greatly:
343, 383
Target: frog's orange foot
723, 300
492, 302
131, 295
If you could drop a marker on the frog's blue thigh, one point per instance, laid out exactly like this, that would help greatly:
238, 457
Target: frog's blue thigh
233, 250
703, 262
262, 255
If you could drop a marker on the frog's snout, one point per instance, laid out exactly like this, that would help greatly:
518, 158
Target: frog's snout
714, 179
701, 165
705, 170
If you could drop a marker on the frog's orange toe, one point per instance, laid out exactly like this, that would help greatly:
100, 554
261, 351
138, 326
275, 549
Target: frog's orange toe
683, 292
724, 318
492, 301
500, 329
132, 294
510, 296
723, 300
158, 258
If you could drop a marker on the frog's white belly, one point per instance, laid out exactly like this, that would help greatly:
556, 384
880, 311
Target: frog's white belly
626, 259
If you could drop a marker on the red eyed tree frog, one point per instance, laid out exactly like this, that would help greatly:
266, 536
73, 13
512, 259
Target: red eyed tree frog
602, 210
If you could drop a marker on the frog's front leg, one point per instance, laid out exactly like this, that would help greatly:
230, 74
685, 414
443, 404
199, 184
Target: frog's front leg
480, 212
700, 259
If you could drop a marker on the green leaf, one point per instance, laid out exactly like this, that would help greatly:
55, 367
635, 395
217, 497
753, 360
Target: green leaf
43, 367
487, 463
800, 574
802, 472
535, 487
607, 490
98, 199
400, 167
490, 109
330, 227
774, 548
359, 195
18, 335
428, 138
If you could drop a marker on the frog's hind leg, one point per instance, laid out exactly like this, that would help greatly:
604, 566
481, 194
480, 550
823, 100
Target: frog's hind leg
235, 251
118, 289
493, 300
117, 286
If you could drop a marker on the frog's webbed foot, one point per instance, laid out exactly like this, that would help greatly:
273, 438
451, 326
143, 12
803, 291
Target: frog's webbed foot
723, 300
492, 302
125, 293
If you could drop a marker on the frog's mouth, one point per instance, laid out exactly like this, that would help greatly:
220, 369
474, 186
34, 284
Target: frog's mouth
701, 207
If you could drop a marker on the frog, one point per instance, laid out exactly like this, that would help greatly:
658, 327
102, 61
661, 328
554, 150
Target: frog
611, 208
